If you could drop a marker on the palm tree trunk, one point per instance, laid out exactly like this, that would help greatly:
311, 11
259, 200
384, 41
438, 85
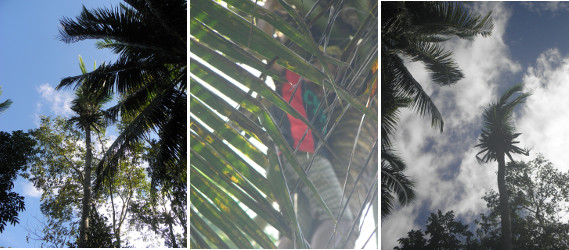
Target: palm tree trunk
84, 224
504, 204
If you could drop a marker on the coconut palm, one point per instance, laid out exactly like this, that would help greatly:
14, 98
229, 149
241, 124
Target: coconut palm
497, 141
4, 105
88, 105
416, 30
149, 77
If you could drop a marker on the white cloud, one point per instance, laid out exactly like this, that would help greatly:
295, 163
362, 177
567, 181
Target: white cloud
30, 190
546, 7
59, 102
443, 165
544, 117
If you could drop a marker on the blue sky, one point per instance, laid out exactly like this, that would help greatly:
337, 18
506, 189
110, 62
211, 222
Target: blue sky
529, 45
32, 62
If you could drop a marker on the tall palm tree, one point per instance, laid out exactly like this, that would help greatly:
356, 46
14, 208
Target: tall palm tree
416, 30
87, 105
497, 141
4, 105
149, 77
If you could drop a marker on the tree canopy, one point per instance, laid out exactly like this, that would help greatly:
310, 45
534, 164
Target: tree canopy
538, 202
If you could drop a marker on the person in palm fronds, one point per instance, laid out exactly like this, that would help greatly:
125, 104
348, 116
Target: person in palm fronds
316, 224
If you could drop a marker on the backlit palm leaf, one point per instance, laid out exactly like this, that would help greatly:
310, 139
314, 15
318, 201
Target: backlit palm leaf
227, 120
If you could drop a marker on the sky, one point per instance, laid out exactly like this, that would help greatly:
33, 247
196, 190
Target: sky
529, 45
32, 62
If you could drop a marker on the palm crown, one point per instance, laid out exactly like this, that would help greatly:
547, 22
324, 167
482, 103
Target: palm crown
498, 135
88, 105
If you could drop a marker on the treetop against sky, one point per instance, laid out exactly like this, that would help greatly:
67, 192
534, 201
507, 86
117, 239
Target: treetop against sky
528, 45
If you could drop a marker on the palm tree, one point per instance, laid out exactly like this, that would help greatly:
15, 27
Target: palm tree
4, 105
149, 77
498, 140
87, 105
416, 30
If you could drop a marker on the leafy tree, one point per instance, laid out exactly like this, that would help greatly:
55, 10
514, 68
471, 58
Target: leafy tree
149, 76
498, 140
58, 172
123, 188
443, 233
4, 105
538, 201
417, 30
16, 151
100, 234
155, 212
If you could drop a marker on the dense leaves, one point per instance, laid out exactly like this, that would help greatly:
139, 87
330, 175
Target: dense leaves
538, 203
443, 232
57, 172
16, 150
225, 134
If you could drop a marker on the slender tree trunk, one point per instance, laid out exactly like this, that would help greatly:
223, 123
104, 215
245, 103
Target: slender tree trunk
84, 224
504, 204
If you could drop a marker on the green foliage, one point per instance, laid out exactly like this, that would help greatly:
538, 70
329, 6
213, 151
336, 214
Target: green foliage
160, 217
149, 76
100, 233
224, 136
58, 172
16, 151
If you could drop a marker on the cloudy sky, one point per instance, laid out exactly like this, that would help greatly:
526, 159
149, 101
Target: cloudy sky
529, 45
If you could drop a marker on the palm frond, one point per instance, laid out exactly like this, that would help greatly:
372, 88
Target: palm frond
444, 70
449, 18
405, 85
